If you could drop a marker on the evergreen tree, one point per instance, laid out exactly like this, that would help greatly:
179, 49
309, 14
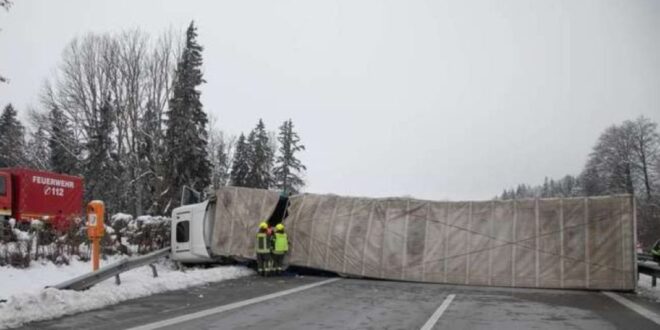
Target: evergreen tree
62, 144
99, 170
288, 168
261, 158
12, 139
39, 156
221, 165
186, 137
546, 189
240, 169
150, 155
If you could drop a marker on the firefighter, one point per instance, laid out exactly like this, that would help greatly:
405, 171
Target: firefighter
263, 249
280, 248
655, 251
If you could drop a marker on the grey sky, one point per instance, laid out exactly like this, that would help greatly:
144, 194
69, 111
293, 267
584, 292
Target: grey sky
434, 99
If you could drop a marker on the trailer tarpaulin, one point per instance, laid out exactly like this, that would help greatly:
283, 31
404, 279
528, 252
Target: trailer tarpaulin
582, 243
585, 243
237, 216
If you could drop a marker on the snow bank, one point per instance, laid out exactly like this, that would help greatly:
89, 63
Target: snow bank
645, 289
147, 219
17, 281
21, 235
123, 217
28, 301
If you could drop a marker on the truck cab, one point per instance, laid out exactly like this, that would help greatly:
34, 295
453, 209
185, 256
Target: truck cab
5, 195
191, 232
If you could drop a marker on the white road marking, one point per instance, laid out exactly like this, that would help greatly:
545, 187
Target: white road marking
635, 307
438, 313
228, 307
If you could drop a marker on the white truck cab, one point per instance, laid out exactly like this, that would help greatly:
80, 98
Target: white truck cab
192, 231
192, 226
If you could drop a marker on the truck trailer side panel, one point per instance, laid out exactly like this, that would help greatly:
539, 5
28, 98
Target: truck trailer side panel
572, 243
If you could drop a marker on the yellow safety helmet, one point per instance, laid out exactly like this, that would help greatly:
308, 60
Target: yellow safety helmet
279, 226
263, 225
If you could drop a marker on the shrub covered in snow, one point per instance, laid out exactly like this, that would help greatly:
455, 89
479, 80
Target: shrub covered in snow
142, 234
125, 235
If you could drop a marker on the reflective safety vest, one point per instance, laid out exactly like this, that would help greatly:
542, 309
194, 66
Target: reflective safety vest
655, 252
281, 243
262, 243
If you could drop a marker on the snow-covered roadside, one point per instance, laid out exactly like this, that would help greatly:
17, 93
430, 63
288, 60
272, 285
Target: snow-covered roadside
42, 273
29, 301
645, 288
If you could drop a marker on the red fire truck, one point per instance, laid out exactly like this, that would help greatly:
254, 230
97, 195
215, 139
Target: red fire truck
27, 194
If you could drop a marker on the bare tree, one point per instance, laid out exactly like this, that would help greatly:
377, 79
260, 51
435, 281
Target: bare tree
612, 161
131, 74
220, 149
646, 141
38, 153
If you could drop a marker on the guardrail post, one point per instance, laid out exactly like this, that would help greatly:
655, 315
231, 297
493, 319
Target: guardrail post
117, 279
153, 268
653, 279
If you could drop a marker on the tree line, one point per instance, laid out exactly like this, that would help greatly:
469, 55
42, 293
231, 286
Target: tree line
124, 112
624, 160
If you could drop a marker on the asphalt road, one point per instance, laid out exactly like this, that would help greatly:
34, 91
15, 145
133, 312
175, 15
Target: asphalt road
362, 304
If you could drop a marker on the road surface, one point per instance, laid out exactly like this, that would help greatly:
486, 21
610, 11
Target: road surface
324, 303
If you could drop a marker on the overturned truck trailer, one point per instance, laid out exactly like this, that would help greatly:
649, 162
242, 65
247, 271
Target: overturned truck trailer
581, 243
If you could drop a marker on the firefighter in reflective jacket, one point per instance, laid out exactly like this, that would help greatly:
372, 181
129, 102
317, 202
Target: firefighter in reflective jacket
263, 249
280, 248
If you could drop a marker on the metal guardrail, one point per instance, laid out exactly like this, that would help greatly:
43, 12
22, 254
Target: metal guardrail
90, 279
649, 268
644, 257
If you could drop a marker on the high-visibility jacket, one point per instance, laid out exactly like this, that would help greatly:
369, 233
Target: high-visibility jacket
655, 252
281, 243
262, 243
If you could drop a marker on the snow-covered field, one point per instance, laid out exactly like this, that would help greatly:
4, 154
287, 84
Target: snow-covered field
28, 300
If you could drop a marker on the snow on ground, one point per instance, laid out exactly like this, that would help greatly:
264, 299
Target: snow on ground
41, 274
645, 289
27, 300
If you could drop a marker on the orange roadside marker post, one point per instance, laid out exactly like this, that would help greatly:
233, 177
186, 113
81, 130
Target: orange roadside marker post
95, 229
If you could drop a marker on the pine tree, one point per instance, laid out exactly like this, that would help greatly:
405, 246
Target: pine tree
99, 165
39, 155
152, 153
221, 168
12, 139
186, 138
240, 169
62, 144
261, 158
288, 168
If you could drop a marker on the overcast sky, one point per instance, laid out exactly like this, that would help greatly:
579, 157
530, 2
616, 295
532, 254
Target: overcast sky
433, 99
